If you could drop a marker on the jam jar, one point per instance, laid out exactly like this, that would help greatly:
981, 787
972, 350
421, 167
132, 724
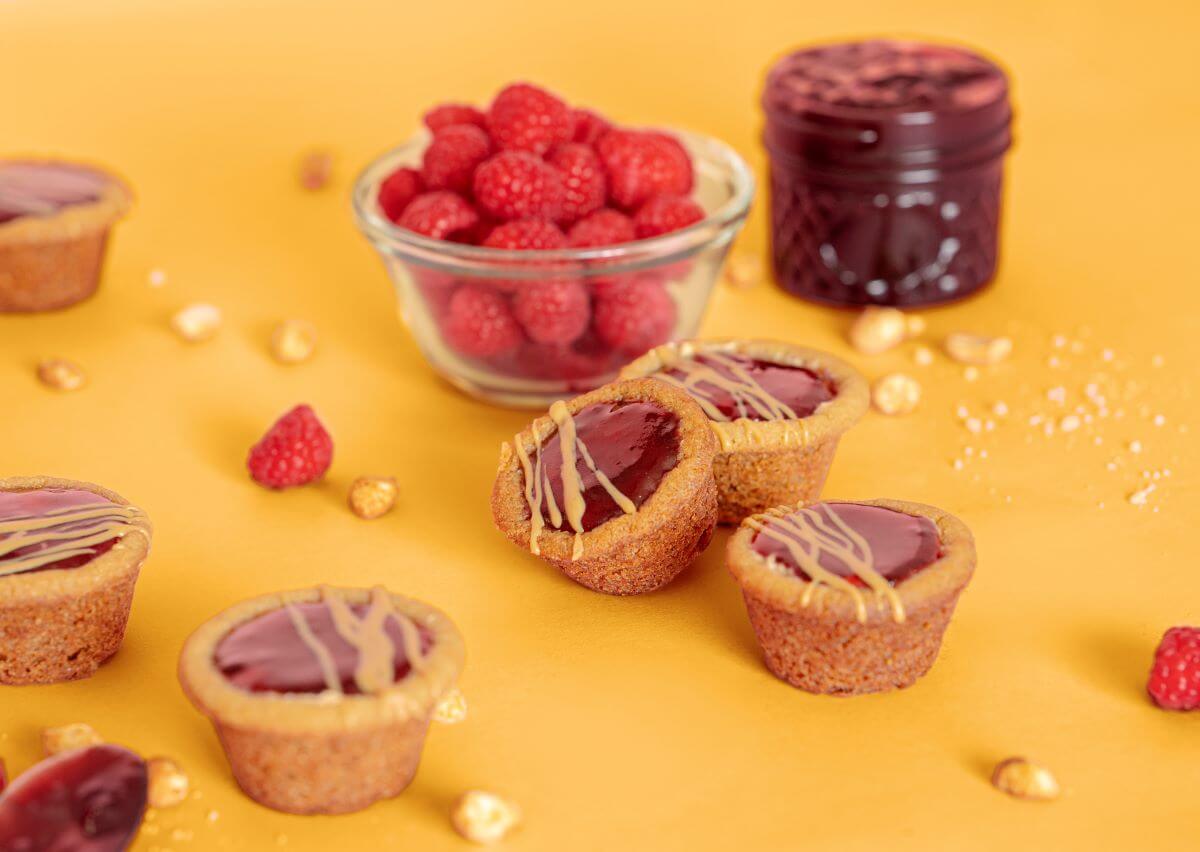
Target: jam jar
886, 161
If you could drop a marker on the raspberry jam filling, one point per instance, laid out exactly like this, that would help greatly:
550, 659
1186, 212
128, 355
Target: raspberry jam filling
891, 544
57, 528
730, 386
86, 800
320, 646
630, 446
42, 189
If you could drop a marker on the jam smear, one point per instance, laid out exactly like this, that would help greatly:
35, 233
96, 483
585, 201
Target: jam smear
901, 544
266, 654
86, 800
799, 388
43, 503
42, 189
635, 444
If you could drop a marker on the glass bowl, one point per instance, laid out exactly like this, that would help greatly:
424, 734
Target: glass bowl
639, 294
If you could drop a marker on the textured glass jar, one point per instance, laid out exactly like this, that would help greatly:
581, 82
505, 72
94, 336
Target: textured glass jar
886, 163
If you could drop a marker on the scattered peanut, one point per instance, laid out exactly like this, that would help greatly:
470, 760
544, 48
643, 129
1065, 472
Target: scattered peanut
896, 394
923, 356
293, 341
1024, 779
878, 329
743, 271
452, 708
372, 496
483, 817
61, 374
977, 348
197, 322
168, 783
67, 737
316, 168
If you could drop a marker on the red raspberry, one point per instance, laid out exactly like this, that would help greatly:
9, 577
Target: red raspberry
1175, 679
479, 323
448, 115
526, 235
555, 311
589, 126
517, 185
438, 215
397, 190
295, 451
634, 315
605, 227
584, 184
642, 164
663, 214
526, 118
452, 157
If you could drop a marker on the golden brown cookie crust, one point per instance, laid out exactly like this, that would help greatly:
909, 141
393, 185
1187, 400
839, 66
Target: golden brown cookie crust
823, 646
630, 554
61, 624
765, 463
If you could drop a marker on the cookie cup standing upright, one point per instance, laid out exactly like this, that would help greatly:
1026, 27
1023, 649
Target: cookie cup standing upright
326, 752
765, 463
59, 624
635, 552
828, 640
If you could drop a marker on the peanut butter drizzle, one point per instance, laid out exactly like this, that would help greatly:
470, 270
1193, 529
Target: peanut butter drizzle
747, 393
537, 482
376, 669
68, 532
809, 527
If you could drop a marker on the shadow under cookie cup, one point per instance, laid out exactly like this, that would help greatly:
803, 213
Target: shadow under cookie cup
823, 646
61, 624
322, 753
765, 463
632, 553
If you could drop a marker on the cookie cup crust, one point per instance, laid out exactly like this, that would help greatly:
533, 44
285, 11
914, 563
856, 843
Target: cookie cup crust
62, 623
629, 554
765, 463
823, 647
50, 262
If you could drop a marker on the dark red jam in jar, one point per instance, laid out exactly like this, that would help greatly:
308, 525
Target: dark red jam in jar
886, 162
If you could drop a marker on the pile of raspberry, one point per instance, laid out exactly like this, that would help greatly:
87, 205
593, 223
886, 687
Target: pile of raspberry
531, 173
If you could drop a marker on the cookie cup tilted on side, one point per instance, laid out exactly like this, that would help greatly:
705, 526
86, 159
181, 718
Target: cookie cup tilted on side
70, 554
778, 412
637, 504
888, 576
322, 698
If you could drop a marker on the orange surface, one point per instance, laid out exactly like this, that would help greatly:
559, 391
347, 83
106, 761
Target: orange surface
643, 723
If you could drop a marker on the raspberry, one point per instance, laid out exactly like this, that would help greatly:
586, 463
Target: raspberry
605, 227
665, 213
589, 126
526, 235
634, 315
555, 311
1175, 679
448, 115
438, 215
517, 185
584, 185
479, 323
397, 190
526, 118
452, 156
642, 164
295, 451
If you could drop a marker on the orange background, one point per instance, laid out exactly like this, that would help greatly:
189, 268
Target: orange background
649, 722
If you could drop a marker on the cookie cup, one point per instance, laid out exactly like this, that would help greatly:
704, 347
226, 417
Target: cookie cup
822, 646
51, 262
60, 624
325, 753
630, 554
765, 463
